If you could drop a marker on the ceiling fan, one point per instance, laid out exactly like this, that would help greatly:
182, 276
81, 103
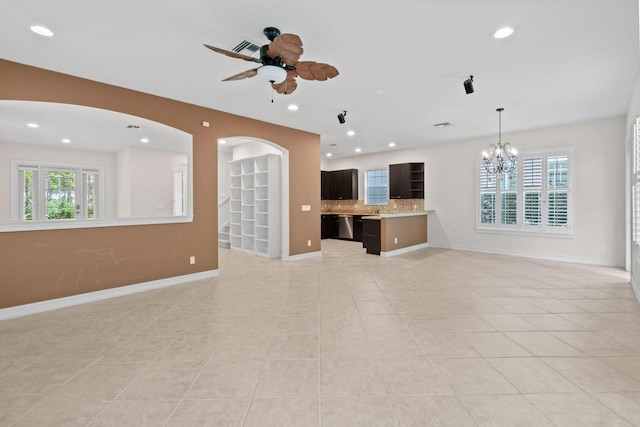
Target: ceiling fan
280, 65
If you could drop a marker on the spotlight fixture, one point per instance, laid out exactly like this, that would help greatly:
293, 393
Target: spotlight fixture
341, 117
468, 85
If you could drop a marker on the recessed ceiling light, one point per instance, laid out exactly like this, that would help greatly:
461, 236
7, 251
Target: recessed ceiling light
41, 31
351, 133
66, 141
392, 144
358, 150
293, 107
329, 154
144, 140
33, 125
503, 32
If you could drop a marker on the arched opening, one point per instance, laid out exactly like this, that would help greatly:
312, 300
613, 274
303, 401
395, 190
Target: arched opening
235, 148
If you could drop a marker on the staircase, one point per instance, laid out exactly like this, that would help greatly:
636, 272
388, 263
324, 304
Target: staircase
223, 215
223, 236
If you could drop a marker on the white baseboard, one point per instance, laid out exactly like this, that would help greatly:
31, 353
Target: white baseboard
54, 304
302, 256
404, 250
535, 256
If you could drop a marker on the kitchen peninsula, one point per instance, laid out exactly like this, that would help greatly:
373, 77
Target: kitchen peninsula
389, 234
399, 227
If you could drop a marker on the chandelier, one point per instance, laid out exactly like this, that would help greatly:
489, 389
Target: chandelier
500, 159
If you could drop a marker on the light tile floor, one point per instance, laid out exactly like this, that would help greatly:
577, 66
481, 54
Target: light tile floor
430, 338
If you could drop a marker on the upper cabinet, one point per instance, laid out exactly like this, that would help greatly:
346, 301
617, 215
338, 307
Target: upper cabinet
339, 185
325, 185
406, 181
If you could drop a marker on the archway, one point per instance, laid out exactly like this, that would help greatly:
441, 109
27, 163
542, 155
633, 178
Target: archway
240, 147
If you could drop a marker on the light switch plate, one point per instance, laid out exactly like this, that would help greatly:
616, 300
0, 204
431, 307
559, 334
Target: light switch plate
306, 208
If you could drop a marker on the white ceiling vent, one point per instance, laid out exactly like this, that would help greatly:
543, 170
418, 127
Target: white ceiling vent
248, 48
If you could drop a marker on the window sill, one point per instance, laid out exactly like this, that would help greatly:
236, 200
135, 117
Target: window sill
93, 223
516, 232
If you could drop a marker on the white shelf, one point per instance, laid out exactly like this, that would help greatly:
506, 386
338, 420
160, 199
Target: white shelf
255, 205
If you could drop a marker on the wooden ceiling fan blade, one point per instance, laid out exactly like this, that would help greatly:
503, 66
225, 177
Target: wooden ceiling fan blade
242, 75
311, 70
288, 47
233, 54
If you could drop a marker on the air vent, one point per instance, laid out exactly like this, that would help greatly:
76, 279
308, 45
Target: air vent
248, 48
133, 127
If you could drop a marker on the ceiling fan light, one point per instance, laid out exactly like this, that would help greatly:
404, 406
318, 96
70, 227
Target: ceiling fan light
272, 73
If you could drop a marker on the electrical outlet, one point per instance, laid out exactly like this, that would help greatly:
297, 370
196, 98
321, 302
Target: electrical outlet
192, 260
395, 240
308, 242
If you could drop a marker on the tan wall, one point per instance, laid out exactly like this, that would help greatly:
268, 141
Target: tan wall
40, 265
410, 231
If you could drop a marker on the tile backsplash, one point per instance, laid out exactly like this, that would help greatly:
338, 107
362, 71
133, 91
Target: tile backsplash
358, 206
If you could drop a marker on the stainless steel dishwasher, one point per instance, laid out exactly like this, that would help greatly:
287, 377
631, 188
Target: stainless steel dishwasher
345, 227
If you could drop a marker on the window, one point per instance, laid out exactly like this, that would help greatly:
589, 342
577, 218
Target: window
635, 191
376, 187
56, 192
534, 197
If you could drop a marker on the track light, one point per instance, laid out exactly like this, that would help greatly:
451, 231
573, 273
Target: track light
468, 85
341, 117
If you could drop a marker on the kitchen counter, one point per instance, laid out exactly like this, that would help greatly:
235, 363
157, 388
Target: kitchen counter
388, 234
396, 214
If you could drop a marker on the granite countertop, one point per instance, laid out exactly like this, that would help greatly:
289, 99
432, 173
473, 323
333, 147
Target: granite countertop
388, 214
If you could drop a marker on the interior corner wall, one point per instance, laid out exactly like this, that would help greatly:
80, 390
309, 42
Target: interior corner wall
633, 112
42, 265
450, 190
151, 181
123, 183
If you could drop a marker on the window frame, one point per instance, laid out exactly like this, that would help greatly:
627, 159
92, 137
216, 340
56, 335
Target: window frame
39, 210
635, 186
543, 228
366, 186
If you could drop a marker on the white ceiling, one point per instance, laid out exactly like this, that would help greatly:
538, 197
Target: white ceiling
402, 63
86, 128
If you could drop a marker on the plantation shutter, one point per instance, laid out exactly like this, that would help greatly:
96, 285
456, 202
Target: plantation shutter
532, 191
557, 192
487, 196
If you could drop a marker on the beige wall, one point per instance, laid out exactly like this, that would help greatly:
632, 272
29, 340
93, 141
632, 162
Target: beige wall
409, 230
40, 265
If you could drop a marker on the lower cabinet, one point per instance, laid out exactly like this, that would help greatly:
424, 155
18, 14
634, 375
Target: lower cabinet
357, 228
329, 226
371, 236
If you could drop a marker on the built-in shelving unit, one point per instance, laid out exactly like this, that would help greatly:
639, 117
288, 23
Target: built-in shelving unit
406, 181
255, 205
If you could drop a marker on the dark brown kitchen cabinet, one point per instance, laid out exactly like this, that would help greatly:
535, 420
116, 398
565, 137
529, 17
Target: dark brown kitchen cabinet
357, 228
406, 181
371, 236
329, 226
339, 185
325, 185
